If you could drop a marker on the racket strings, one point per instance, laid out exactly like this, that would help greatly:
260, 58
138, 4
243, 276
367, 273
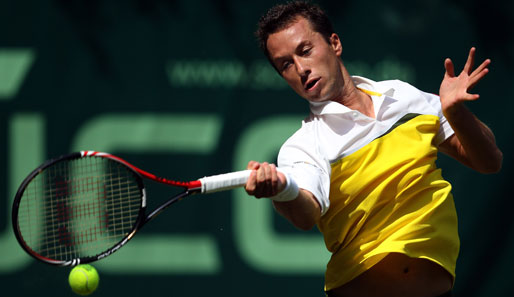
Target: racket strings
79, 208
134, 192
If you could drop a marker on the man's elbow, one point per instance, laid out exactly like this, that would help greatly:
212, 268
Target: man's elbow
304, 225
307, 221
493, 165
497, 165
302, 221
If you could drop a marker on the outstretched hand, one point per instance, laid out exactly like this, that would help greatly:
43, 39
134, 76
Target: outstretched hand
455, 89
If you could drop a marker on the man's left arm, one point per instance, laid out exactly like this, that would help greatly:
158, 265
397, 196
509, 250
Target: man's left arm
473, 143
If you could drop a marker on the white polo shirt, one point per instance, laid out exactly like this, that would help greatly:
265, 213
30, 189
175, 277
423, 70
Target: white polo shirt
333, 131
376, 179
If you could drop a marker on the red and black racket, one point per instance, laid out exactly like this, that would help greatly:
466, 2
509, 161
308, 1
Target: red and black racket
84, 206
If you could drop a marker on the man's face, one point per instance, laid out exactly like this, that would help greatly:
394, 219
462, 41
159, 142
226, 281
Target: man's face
309, 64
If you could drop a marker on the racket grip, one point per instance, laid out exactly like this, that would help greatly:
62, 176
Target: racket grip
222, 182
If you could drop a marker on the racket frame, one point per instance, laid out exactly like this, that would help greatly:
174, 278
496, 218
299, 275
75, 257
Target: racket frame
189, 189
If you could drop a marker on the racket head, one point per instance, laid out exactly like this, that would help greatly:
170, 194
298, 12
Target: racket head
78, 208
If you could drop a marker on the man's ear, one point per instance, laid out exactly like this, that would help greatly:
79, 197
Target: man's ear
335, 43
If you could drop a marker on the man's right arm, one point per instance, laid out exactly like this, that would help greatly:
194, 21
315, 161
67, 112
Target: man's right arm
303, 211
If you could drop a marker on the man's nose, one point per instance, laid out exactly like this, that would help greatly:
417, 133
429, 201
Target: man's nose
301, 67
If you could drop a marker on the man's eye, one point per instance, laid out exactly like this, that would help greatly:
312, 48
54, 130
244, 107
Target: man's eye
306, 51
286, 65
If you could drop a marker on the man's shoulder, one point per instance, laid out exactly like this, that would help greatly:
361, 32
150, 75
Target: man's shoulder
303, 136
396, 83
387, 87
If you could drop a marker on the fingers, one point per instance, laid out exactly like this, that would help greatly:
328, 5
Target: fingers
468, 67
274, 180
253, 165
472, 76
470, 62
448, 65
455, 89
478, 73
263, 181
473, 80
251, 184
481, 68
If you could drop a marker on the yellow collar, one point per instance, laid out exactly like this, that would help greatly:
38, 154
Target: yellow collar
371, 93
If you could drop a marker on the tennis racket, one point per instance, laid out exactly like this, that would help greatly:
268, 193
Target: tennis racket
84, 206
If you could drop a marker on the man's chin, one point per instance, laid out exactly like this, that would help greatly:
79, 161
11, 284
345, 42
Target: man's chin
315, 99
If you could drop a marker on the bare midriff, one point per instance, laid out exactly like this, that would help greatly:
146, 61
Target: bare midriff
398, 275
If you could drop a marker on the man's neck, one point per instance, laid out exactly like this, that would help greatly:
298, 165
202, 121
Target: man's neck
355, 99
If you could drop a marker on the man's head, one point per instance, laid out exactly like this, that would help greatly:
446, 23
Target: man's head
283, 15
300, 43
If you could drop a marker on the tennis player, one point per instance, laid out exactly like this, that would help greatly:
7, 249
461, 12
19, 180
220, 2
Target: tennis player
362, 165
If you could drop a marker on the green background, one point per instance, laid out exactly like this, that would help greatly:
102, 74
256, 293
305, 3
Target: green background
180, 89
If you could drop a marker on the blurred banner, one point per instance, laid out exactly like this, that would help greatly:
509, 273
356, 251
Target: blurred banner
180, 88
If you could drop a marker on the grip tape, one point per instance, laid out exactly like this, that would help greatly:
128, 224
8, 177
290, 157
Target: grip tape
222, 182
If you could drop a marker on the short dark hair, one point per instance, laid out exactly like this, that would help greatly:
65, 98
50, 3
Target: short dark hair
282, 15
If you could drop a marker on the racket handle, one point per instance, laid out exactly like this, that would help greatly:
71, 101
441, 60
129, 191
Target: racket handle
222, 182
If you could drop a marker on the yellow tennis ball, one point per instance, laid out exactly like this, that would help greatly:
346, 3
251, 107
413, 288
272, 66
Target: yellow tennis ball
83, 279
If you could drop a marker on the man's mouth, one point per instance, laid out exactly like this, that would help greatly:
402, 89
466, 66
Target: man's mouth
311, 84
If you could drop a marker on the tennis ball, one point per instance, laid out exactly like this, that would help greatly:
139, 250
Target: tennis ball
83, 279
